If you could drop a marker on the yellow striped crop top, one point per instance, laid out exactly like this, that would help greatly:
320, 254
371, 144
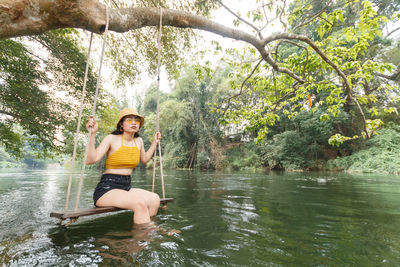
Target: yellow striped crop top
126, 157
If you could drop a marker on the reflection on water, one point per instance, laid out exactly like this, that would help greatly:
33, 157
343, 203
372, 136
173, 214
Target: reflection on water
235, 219
118, 245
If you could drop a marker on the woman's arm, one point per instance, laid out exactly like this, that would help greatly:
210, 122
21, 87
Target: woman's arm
145, 156
96, 154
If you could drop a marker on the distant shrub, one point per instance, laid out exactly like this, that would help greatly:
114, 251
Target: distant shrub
380, 155
7, 164
244, 157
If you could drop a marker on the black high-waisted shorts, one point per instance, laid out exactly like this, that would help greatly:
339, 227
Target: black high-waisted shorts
111, 181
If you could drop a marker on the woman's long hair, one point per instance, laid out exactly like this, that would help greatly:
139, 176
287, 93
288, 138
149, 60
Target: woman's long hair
119, 129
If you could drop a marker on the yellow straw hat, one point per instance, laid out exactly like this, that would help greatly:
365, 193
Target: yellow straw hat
130, 111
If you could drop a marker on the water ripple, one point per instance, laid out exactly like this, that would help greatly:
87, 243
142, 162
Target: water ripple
217, 219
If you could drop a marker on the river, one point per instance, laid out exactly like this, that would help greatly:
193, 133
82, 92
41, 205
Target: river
216, 219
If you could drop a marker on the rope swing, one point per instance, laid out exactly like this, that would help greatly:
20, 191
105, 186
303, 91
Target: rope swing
73, 216
79, 123
80, 117
158, 113
93, 112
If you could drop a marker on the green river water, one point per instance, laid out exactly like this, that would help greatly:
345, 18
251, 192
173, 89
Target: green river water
216, 219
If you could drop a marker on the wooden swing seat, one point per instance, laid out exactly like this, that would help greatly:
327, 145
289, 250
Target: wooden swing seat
97, 210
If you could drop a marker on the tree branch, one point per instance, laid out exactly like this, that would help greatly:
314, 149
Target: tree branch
268, 58
393, 31
295, 44
283, 97
247, 78
241, 19
363, 116
291, 36
243, 83
7, 113
281, 14
313, 17
23, 17
392, 77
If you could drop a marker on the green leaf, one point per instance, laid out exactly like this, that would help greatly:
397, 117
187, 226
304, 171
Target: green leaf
324, 117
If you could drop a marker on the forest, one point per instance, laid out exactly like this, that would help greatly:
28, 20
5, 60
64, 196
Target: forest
320, 93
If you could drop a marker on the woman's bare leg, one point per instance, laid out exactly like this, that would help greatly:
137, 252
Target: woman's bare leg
143, 203
152, 199
126, 200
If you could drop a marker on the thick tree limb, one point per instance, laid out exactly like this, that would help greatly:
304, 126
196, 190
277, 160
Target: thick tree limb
28, 17
23, 17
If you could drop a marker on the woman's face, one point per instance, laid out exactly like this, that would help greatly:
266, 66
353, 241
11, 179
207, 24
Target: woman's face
131, 123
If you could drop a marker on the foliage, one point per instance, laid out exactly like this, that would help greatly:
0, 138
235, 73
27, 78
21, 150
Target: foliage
344, 60
150, 100
41, 81
244, 157
176, 120
30, 159
191, 134
135, 52
6, 161
380, 155
298, 142
21, 99
301, 142
338, 139
341, 69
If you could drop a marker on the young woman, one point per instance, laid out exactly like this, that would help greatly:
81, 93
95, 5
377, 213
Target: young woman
124, 148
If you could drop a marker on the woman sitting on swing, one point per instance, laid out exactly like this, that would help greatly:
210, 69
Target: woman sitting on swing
124, 149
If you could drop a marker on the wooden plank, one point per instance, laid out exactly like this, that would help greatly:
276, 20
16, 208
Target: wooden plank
98, 210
